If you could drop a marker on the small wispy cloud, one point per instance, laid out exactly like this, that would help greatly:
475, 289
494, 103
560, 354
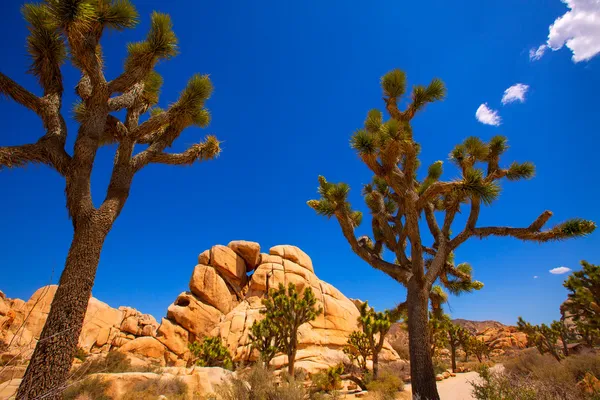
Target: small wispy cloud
515, 93
535, 277
559, 270
536, 54
487, 116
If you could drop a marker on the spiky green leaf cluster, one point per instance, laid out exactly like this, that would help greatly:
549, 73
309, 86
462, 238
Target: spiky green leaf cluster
394, 83
518, 171
373, 121
333, 198
474, 184
160, 43
358, 349
574, 227
117, 14
45, 44
543, 337
422, 95
191, 101
152, 86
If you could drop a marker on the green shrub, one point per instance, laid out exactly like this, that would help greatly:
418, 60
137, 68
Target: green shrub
211, 353
151, 389
386, 386
80, 354
439, 366
329, 380
91, 387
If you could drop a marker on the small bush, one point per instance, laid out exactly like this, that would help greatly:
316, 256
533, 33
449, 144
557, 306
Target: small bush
439, 366
329, 380
150, 389
91, 387
80, 354
386, 386
211, 353
114, 362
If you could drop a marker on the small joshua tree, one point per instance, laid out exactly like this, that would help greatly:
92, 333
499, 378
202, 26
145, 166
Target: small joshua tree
543, 337
583, 304
454, 332
266, 339
398, 200
288, 310
61, 30
369, 343
465, 338
211, 353
479, 348
358, 349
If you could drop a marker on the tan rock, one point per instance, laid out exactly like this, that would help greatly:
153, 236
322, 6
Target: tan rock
249, 251
146, 347
175, 337
204, 257
130, 325
211, 288
226, 261
148, 330
293, 253
268, 258
196, 317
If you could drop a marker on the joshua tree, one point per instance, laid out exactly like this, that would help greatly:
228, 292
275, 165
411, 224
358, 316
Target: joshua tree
265, 338
437, 329
465, 339
583, 304
288, 310
543, 337
75, 27
454, 336
368, 343
479, 348
398, 200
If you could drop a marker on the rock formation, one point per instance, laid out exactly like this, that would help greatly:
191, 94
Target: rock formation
226, 288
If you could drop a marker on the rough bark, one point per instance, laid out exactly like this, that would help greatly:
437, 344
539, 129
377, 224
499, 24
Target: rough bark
51, 361
421, 365
375, 365
453, 357
291, 361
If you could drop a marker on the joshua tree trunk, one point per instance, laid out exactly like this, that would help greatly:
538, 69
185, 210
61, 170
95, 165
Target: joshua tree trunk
291, 360
53, 355
375, 365
421, 365
453, 356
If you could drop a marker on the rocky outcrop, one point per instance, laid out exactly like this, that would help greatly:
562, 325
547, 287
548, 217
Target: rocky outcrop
224, 299
225, 296
104, 328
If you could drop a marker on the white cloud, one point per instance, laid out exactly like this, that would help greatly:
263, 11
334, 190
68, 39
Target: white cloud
535, 277
559, 270
515, 93
536, 54
487, 116
578, 29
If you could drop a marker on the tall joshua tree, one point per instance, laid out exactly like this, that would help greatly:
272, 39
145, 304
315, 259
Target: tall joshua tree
398, 199
76, 26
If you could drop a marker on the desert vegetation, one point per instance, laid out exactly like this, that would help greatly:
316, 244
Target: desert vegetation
245, 311
397, 200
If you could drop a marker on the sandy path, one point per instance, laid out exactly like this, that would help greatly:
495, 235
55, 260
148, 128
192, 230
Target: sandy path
456, 388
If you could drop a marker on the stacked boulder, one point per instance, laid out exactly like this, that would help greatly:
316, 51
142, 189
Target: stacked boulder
226, 290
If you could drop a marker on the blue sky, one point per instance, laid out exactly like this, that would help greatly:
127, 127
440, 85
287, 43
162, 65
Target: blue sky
292, 81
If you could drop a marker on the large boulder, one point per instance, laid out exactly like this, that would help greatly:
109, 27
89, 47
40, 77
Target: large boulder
173, 336
249, 251
228, 263
208, 285
196, 317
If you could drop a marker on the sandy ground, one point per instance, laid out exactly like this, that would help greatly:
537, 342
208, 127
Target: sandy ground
456, 388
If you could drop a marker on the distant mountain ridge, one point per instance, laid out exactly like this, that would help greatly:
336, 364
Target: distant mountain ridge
478, 326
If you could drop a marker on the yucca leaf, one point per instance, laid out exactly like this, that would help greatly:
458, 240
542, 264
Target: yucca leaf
498, 145
363, 142
373, 121
394, 83
518, 171
476, 148
118, 15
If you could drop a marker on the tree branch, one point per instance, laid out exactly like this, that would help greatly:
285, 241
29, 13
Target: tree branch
19, 156
469, 226
397, 272
19, 94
